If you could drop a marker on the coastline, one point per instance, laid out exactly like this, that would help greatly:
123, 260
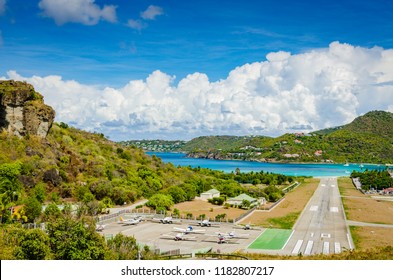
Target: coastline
272, 161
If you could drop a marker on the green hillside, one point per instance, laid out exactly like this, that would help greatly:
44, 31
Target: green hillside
369, 138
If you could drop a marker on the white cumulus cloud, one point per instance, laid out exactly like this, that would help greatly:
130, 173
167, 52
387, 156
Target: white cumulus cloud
77, 11
152, 12
136, 24
284, 93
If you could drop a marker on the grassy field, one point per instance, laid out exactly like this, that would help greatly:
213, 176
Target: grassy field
286, 213
199, 207
362, 208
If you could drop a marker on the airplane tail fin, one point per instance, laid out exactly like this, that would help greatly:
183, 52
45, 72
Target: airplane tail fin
121, 219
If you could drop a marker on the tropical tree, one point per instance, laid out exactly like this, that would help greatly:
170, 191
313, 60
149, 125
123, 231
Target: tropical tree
10, 186
32, 209
72, 239
33, 245
160, 201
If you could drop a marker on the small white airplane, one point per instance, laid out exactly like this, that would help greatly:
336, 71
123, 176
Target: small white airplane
189, 229
206, 223
178, 237
247, 227
222, 237
132, 221
100, 227
166, 220
231, 235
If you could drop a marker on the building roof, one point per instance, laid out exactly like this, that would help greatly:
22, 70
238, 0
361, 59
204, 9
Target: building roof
212, 191
242, 197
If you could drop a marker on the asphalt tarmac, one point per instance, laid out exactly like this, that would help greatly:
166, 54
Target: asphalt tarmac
161, 236
322, 226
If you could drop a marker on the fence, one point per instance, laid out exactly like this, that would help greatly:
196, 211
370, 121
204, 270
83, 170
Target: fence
291, 187
245, 214
34, 225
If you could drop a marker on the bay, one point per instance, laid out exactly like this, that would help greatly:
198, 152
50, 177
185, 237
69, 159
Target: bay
291, 169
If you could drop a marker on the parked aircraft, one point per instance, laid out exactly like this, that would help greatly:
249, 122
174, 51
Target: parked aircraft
206, 223
248, 227
223, 237
179, 236
100, 227
132, 221
166, 220
189, 229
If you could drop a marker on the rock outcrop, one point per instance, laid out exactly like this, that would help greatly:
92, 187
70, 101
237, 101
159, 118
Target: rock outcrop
22, 110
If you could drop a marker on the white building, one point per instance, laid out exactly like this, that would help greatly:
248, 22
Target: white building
210, 194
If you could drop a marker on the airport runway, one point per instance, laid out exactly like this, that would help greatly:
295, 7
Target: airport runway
322, 226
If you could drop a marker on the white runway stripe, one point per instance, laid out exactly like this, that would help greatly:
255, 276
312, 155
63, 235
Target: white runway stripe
310, 243
337, 248
296, 250
325, 248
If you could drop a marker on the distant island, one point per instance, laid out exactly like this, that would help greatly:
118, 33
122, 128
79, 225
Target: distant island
368, 139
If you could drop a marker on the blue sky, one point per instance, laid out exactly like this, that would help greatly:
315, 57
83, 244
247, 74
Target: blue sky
108, 44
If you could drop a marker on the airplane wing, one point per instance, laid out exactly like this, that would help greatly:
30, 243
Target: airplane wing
198, 230
180, 229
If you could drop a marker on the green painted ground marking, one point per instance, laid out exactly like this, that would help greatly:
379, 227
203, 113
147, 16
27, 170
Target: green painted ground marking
271, 239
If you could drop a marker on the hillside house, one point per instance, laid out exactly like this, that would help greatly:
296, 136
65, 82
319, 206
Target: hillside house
238, 200
210, 194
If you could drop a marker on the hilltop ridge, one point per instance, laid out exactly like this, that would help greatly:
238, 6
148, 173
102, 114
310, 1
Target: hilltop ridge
367, 138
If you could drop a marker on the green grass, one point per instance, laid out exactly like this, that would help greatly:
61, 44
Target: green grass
355, 236
271, 239
285, 222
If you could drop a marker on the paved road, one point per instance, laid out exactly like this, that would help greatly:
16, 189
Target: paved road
362, 224
322, 227
129, 207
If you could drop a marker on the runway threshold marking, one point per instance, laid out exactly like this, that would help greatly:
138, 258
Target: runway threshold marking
310, 243
297, 247
337, 248
325, 249
334, 209
314, 208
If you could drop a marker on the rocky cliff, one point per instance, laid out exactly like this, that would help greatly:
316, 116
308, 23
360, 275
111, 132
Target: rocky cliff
22, 110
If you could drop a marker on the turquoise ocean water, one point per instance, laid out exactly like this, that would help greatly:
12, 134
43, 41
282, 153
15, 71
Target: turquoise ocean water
293, 169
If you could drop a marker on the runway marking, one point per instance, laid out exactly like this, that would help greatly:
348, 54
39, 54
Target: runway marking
325, 249
334, 209
314, 208
296, 249
333, 186
323, 185
311, 234
325, 235
310, 243
337, 248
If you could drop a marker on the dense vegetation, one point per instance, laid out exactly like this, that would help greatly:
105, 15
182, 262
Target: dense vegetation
67, 238
374, 179
85, 172
94, 173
